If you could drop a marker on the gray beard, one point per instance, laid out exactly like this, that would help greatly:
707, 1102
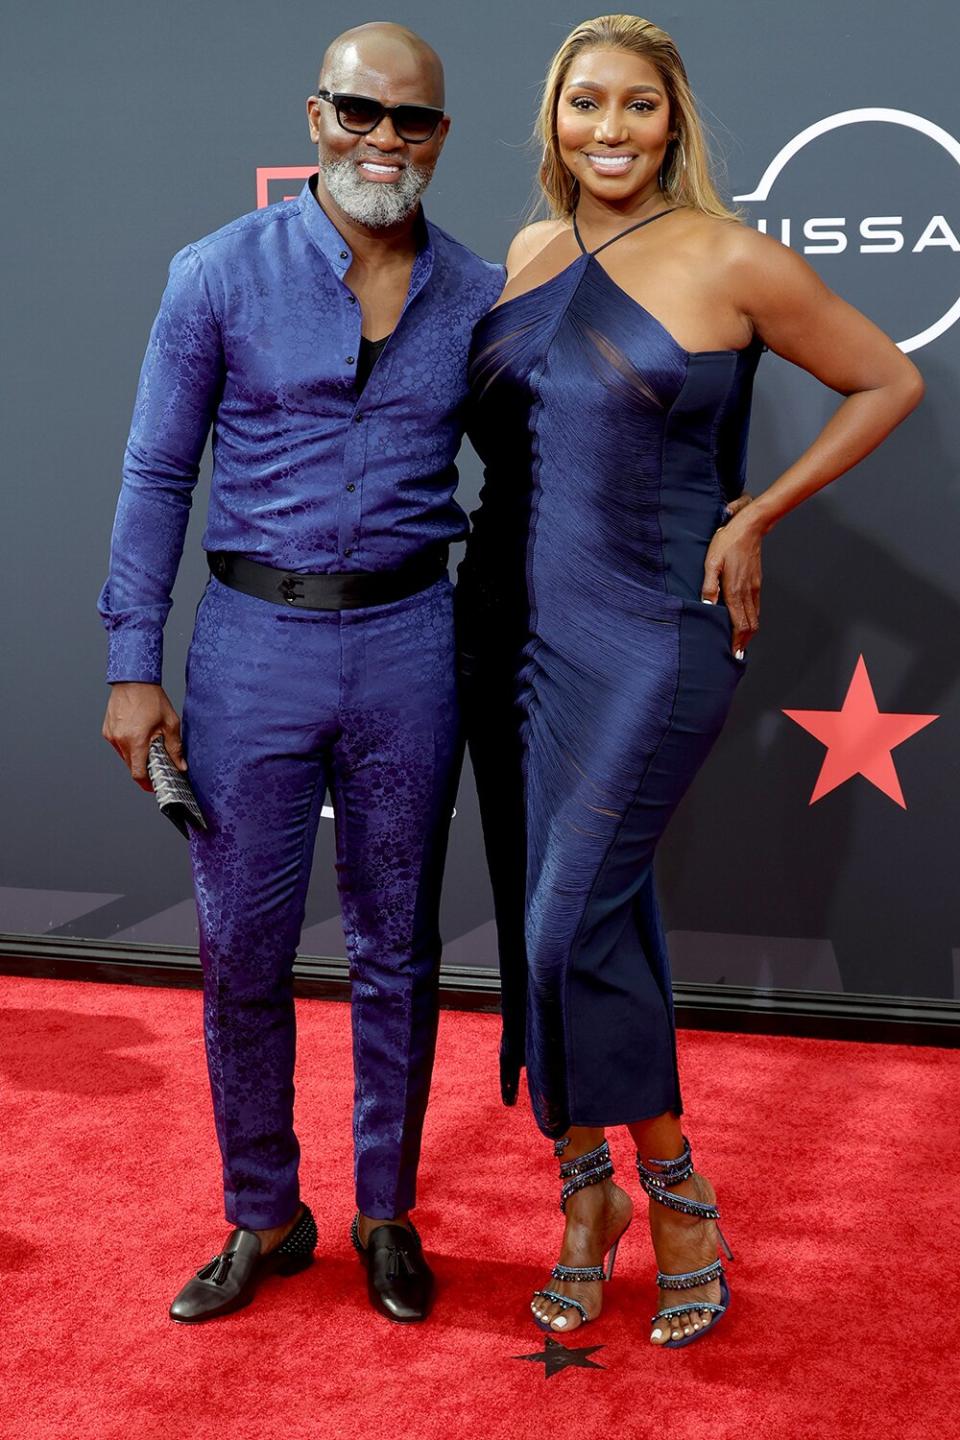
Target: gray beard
378, 207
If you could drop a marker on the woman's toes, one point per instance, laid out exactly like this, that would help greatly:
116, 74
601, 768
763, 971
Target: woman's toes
568, 1319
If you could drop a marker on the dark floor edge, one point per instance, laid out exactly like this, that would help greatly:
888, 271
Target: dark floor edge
823, 1014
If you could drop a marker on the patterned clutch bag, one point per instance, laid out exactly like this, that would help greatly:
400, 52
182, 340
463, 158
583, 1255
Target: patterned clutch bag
171, 787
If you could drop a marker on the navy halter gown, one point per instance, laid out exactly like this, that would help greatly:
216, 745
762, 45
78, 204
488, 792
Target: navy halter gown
595, 679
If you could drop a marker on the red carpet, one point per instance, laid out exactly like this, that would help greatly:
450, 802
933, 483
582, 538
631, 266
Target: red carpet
837, 1165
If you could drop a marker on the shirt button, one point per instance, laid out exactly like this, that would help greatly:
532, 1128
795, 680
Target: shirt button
344, 255
351, 487
357, 419
351, 359
348, 552
352, 299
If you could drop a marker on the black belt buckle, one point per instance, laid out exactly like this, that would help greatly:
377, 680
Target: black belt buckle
291, 588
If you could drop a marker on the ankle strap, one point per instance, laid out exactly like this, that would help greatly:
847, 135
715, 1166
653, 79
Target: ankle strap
667, 1172
656, 1184
589, 1169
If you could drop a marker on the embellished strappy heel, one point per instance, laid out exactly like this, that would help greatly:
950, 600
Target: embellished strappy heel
590, 1169
656, 1182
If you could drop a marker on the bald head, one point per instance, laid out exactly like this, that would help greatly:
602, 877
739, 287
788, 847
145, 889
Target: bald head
392, 56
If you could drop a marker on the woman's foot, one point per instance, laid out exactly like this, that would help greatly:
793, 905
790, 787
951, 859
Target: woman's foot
596, 1217
683, 1243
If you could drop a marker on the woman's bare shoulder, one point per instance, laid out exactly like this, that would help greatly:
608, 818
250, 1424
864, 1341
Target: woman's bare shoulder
528, 242
737, 252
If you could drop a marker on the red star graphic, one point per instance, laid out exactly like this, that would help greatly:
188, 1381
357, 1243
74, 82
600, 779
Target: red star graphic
859, 739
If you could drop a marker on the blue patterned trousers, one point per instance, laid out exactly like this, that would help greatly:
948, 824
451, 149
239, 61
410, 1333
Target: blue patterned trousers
282, 706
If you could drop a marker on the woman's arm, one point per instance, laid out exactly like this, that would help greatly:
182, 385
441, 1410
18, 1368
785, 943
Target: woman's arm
798, 317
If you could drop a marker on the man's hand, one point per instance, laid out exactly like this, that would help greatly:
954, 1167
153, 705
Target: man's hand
135, 713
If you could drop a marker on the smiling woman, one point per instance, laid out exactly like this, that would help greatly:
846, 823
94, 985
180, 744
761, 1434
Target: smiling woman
656, 86
611, 587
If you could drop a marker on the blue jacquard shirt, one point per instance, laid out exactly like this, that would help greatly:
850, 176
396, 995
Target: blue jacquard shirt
258, 336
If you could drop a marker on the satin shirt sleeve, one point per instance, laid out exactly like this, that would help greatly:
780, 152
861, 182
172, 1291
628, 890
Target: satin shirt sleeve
180, 385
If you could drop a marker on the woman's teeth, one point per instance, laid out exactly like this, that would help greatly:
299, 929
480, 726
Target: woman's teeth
611, 164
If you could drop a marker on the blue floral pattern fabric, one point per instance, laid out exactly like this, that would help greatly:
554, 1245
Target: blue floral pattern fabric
258, 337
283, 706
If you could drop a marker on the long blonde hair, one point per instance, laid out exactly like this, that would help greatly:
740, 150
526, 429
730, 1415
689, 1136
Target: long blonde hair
685, 177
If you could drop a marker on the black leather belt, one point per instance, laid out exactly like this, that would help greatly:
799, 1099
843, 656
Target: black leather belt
341, 590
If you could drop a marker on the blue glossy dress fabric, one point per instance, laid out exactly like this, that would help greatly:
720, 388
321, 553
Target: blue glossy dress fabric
595, 679
258, 336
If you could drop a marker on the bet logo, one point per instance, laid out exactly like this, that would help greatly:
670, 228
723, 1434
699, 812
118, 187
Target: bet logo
280, 182
871, 198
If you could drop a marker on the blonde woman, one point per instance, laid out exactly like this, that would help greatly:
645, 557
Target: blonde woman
609, 593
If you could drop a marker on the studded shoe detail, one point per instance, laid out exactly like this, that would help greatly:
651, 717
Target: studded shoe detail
229, 1281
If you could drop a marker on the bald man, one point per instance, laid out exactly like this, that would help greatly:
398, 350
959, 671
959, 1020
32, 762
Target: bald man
325, 340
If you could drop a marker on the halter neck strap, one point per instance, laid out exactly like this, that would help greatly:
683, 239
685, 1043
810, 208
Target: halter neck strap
629, 231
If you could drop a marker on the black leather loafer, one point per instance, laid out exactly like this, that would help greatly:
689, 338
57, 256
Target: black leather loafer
399, 1280
230, 1280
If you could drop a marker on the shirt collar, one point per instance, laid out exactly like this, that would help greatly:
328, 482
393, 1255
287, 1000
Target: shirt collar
337, 252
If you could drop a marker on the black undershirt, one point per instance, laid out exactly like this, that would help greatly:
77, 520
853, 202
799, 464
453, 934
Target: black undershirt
369, 352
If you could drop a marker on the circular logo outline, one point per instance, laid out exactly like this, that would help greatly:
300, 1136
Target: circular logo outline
876, 114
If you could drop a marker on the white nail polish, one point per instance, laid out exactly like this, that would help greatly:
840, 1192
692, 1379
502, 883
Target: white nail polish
658, 1334
739, 654
560, 1321
707, 602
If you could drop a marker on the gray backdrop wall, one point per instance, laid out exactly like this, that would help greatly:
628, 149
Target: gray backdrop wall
134, 129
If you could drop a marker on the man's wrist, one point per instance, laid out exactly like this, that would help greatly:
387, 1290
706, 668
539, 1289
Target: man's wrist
135, 656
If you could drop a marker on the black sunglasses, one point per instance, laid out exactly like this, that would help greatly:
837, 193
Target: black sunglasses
359, 115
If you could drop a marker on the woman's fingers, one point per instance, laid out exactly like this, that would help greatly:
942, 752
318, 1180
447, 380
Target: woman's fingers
712, 570
743, 603
741, 595
735, 506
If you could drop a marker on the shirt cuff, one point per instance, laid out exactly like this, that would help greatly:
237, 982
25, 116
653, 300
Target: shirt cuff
135, 654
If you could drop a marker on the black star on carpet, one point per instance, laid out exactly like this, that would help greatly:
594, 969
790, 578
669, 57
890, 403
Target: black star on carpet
558, 1357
